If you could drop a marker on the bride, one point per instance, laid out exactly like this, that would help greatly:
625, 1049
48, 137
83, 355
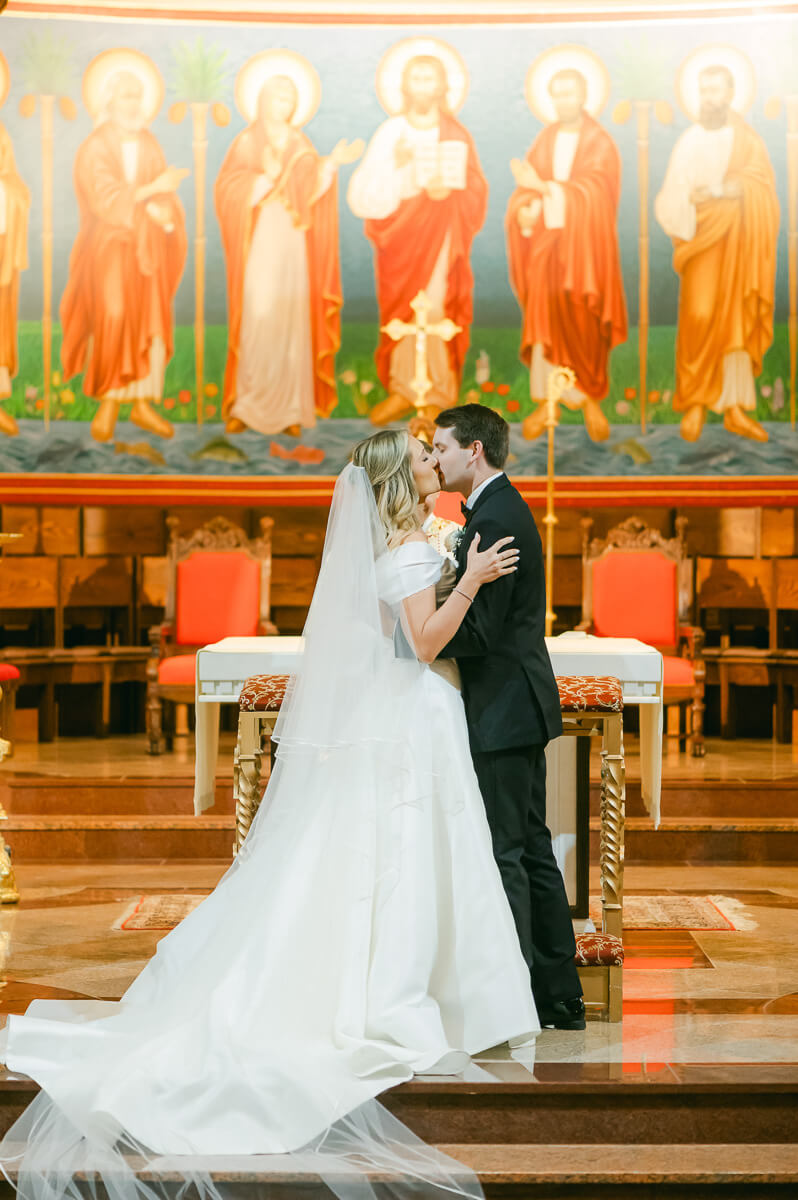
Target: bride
360, 937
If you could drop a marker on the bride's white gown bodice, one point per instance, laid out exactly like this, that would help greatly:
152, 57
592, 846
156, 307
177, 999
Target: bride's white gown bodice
338, 957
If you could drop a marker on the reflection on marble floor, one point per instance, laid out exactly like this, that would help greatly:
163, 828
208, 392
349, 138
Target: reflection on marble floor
127, 757
721, 997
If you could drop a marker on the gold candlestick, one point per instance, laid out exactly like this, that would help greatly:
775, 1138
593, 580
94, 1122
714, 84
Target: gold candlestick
559, 381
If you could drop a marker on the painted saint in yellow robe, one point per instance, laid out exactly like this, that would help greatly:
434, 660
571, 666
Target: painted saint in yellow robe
719, 205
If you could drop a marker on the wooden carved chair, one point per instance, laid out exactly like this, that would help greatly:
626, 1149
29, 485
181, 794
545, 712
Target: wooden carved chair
9, 682
219, 584
636, 583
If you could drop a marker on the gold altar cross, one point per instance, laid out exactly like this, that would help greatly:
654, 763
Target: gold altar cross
421, 328
559, 381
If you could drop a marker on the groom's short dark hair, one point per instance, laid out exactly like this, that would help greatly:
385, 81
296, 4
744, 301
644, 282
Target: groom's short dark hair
475, 423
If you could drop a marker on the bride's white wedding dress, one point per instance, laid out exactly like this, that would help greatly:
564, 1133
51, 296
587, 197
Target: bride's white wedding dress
361, 936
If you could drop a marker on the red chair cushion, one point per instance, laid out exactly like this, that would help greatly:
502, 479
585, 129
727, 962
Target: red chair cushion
677, 672
218, 595
598, 950
587, 693
635, 595
263, 693
8, 673
180, 668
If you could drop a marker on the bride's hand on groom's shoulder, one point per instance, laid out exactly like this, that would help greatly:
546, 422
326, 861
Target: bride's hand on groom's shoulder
483, 566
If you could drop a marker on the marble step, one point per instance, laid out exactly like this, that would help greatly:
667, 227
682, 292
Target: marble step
182, 835
45, 796
714, 798
577, 1104
72, 838
706, 839
682, 1172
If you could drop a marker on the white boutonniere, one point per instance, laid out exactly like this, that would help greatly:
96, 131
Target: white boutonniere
452, 543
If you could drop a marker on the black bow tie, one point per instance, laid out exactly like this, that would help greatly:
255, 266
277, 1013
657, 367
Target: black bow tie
465, 510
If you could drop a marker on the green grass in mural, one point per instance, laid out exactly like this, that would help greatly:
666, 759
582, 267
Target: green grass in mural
507, 389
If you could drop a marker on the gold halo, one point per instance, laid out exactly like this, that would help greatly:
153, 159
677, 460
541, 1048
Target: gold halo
103, 68
5, 79
735, 60
389, 72
263, 66
562, 58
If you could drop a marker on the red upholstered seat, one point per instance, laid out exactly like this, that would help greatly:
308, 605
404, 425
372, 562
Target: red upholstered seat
218, 596
598, 950
585, 693
635, 594
180, 668
8, 673
677, 672
263, 693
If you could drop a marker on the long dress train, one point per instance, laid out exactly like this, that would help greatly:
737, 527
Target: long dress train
361, 935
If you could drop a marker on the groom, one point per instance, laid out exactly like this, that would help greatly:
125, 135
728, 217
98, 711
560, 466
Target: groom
512, 703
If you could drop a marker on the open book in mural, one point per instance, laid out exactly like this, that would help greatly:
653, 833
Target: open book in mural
204, 233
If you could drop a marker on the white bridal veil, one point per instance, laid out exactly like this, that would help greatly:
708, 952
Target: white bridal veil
244, 1048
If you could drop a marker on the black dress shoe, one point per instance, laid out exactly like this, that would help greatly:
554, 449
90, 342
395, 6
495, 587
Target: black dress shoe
563, 1014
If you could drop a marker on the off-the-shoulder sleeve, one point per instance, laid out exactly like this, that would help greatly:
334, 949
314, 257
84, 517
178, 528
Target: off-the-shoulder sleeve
409, 569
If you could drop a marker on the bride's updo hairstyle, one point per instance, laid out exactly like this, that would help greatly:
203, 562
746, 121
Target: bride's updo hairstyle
385, 457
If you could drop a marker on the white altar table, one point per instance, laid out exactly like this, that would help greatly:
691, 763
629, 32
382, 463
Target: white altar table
223, 667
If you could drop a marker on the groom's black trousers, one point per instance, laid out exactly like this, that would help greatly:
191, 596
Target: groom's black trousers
513, 786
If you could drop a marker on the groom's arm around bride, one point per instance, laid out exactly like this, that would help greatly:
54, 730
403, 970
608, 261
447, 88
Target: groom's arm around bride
512, 702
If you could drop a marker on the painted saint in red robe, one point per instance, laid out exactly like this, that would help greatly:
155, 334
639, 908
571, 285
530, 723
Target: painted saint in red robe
564, 261
125, 265
423, 196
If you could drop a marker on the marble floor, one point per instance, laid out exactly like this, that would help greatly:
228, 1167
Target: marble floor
690, 997
126, 757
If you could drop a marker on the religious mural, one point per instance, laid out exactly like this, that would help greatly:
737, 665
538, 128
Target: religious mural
245, 300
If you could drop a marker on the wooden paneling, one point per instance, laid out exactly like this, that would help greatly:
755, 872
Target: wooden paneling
298, 532
734, 582
29, 582
112, 531
96, 582
778, 538
728, 532
568, 582
786, 570
153, 582
46, 530
293, 580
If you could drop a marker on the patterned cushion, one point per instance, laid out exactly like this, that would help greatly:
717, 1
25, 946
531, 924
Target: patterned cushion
8, 673
598, 950
263, 693
588, 693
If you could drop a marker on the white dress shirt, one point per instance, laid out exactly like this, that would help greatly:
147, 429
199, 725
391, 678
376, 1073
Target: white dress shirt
472, 499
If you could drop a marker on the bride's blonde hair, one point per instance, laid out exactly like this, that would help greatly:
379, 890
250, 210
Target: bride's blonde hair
385, 457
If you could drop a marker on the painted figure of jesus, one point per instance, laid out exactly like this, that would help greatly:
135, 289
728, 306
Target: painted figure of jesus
719, 205
423, 196
14, 207
276, 200
564, 261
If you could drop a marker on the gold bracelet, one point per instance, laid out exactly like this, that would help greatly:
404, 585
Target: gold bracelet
470, 599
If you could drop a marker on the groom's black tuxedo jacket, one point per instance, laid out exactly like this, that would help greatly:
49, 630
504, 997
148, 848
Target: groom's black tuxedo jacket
510, 694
